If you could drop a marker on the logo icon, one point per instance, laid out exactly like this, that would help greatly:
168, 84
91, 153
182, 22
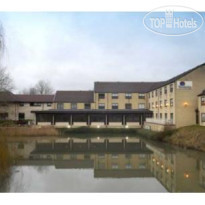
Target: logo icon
173, 20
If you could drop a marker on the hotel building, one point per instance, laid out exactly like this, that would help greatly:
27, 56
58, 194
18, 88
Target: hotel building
169, 104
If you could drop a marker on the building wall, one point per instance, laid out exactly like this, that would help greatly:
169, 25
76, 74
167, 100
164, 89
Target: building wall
26, 109
186, 115
185, 101
201, 109
11, 109
121, 101
154, 103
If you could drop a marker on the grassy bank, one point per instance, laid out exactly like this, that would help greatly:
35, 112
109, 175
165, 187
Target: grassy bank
28, 131
190, 137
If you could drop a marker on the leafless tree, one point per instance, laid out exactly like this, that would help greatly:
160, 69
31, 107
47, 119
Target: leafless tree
41, 88
6, 83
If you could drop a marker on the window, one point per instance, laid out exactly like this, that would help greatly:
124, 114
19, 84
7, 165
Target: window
49, 104
101, 95
114, 106
165, 103
35, 104
114, 95
87, 106
160, 115
165, 116
21, 104
141, 105
202, 117
149, 95
101, 106
114, 156
152, 105
128, 95
160, 91
156, 93
171, 88
60, 106
165, 90
156, 103
160, 103
73, 106
171, 116
152, 93
115, 166
21, 116
4, 116
128, 166
202, 100
128, 106
156, 115
141, 96
171, 102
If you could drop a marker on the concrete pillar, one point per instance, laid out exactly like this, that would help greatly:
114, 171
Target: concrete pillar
123, 120
106, 120
53, 120
71, 120
71, 144
141, 120
124, 143
88, 143
88, 121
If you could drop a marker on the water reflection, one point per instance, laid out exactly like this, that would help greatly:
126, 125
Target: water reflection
119, 165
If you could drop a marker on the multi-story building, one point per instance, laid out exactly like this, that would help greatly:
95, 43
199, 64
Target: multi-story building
156, 105
20, 107
201, 106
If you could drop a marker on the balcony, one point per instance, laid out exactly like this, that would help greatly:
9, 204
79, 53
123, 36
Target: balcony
160, 121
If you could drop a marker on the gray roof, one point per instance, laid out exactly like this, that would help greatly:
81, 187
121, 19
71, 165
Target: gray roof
137, 87
34, 98
202, 93
172, 80
74, 96
125, 87
6, 96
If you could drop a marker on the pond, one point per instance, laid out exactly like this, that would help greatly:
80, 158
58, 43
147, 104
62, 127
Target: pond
103, 164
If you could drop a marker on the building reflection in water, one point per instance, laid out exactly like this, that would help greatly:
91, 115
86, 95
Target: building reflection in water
117, 158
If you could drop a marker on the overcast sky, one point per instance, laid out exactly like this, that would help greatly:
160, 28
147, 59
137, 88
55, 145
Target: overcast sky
72, 50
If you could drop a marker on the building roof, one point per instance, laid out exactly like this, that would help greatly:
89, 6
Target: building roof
6, 96
123, 87
34, 98
74, 96
172, 80
202, 93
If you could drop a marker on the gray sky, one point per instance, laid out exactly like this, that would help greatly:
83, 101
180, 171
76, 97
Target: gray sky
72, 50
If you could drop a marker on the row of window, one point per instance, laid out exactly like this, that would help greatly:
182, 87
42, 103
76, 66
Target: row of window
127, 96
162, 90
115, 106
101, 106
160, 116
35, 104
161, 103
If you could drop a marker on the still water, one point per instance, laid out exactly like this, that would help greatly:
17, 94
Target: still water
103, 164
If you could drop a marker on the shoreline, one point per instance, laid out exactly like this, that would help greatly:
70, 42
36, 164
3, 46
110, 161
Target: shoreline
190, 137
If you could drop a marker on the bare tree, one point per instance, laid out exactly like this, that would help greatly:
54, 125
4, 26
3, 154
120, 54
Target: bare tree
43, 87
29, 91
6, 83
